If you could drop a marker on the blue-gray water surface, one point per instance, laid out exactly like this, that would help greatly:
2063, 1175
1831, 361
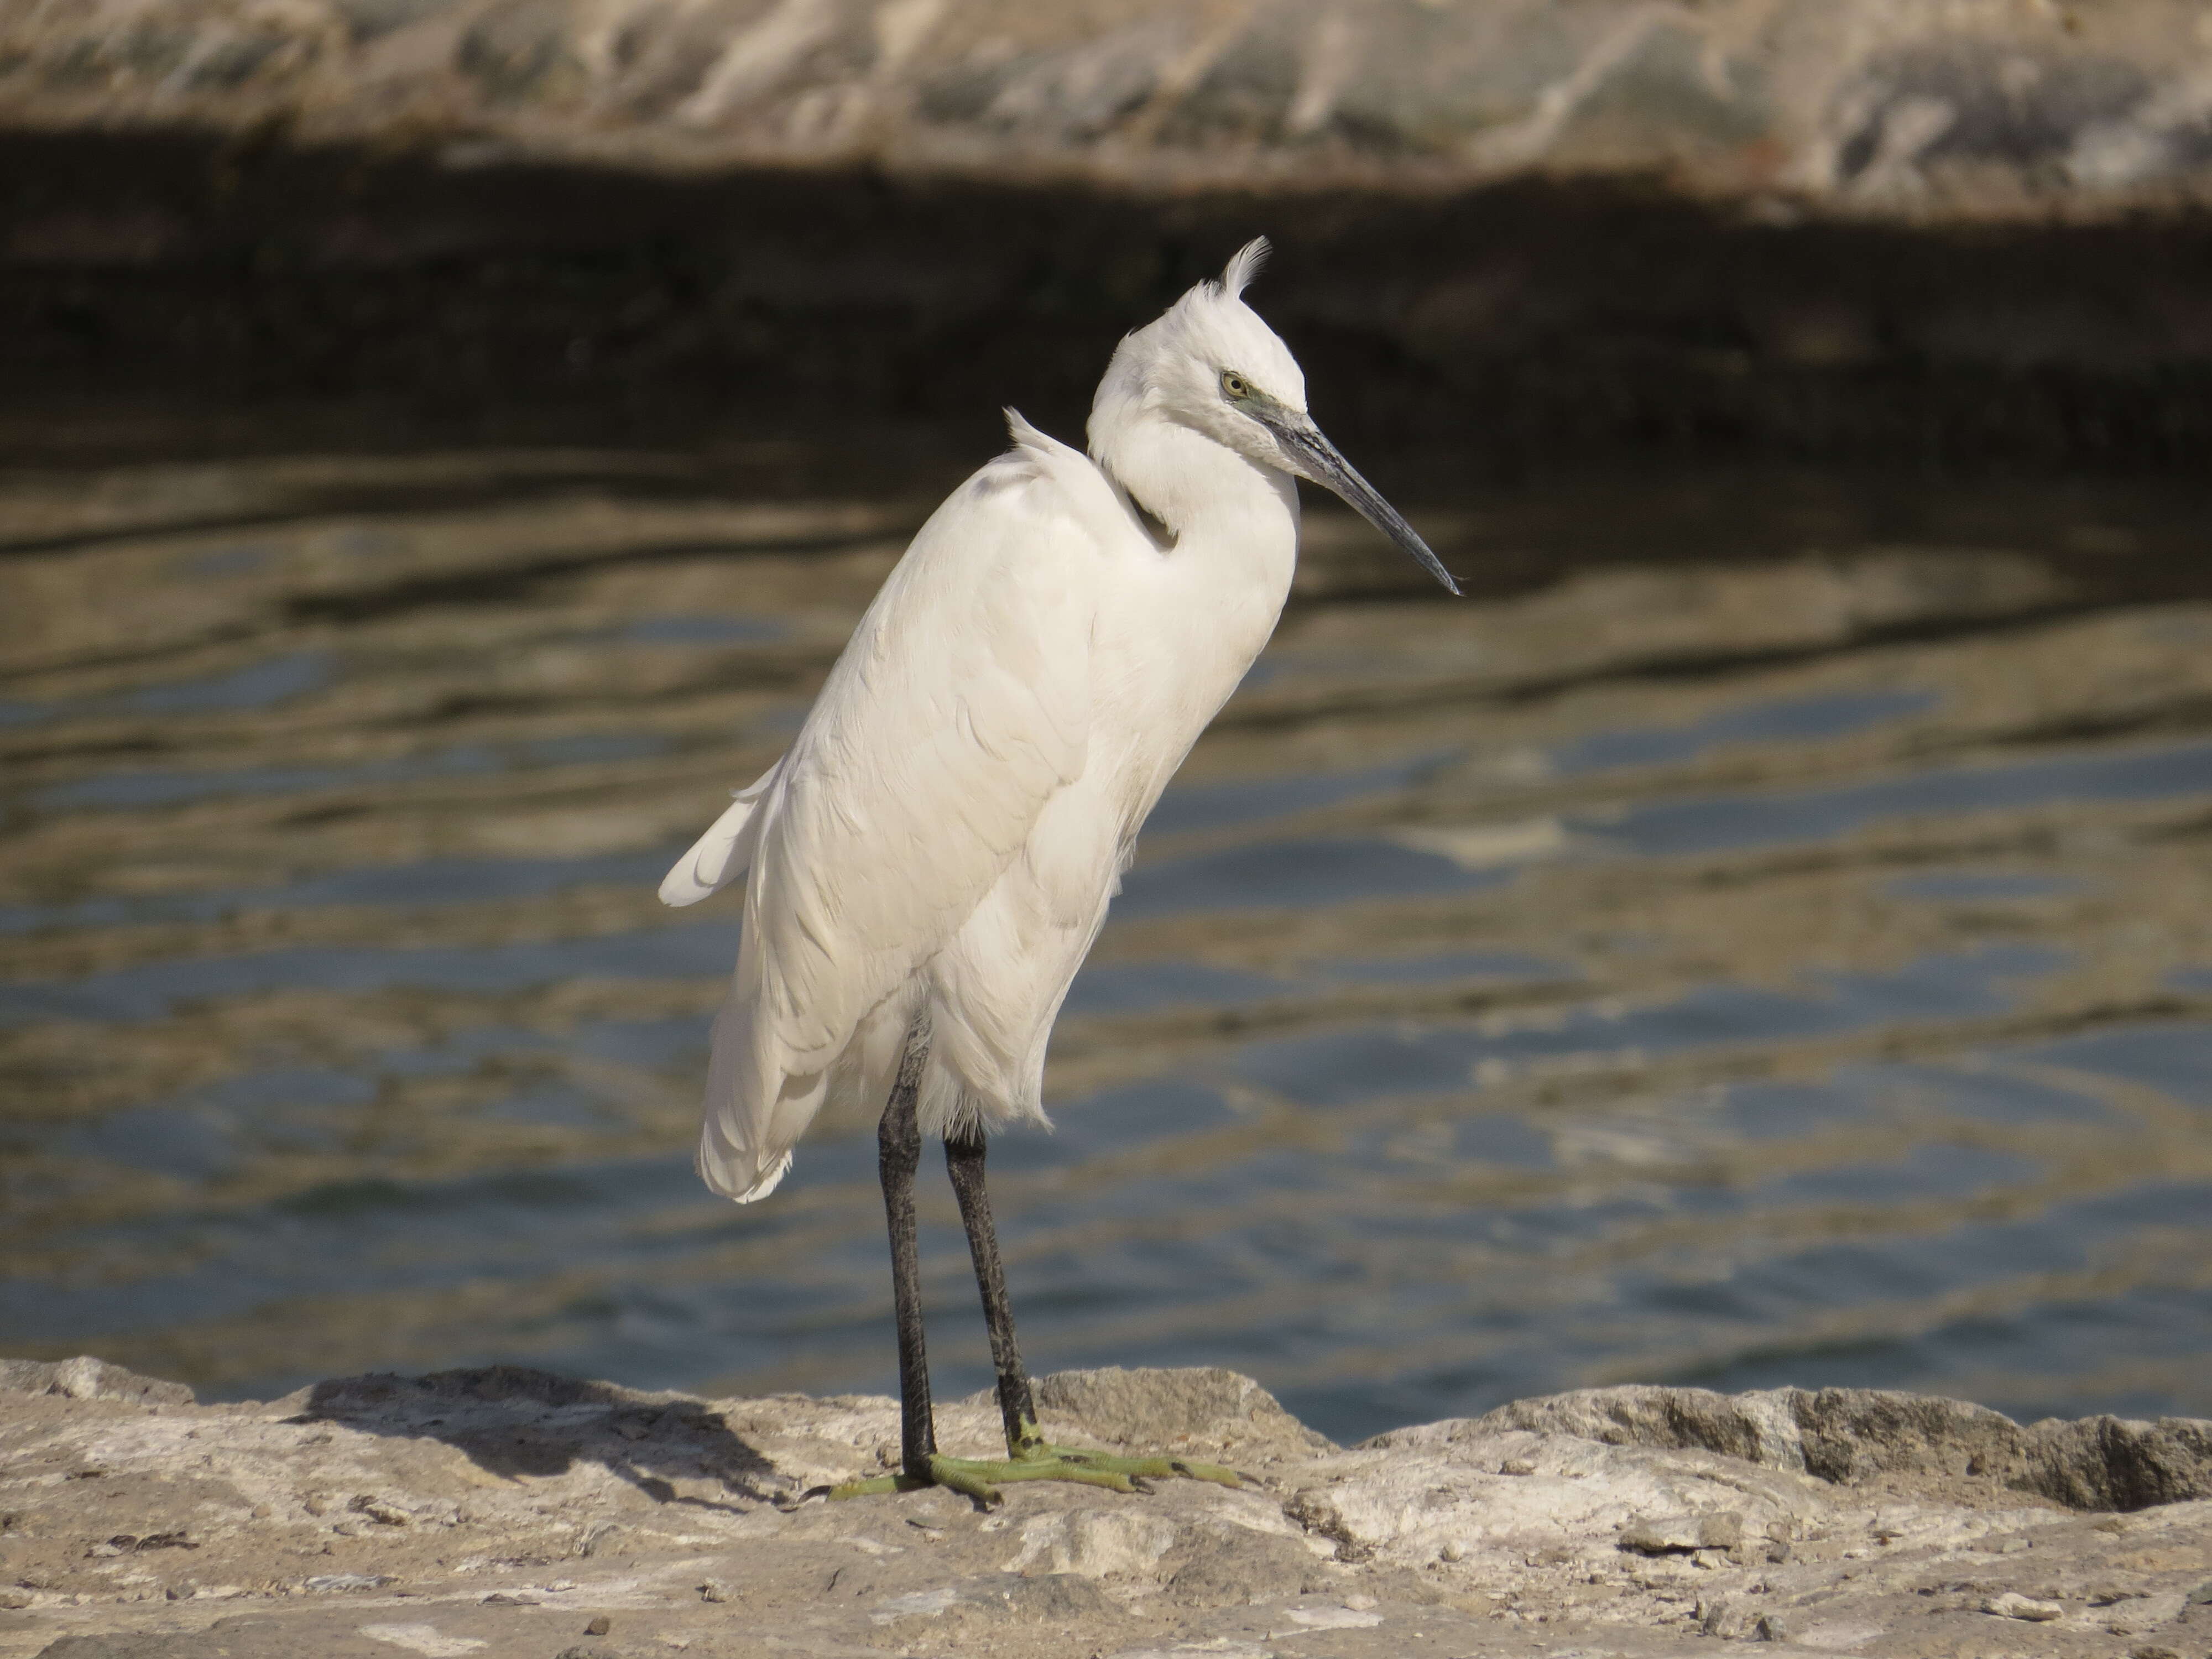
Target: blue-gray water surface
1769, 963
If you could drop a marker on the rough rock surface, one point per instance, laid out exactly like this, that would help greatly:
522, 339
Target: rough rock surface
1888, 106
506, 1511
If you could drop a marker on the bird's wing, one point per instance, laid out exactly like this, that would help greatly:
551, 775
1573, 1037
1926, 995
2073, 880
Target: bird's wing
960, 706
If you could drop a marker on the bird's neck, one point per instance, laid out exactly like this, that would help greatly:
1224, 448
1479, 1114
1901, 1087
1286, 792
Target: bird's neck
1195, 491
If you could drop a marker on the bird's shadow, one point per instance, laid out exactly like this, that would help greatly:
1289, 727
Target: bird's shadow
511, 1421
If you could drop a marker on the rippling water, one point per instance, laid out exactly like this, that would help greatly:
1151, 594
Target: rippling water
1749, 944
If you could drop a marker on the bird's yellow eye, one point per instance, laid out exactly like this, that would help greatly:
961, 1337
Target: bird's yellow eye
1235, 384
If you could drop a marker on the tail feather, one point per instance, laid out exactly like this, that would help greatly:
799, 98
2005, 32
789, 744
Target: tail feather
752, 1121
720, 1174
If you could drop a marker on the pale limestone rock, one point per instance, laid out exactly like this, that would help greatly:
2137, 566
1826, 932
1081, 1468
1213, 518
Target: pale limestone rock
493, 1506
2013, 1605
1859, 107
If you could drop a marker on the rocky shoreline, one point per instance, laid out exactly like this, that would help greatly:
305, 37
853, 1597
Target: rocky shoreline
506, 1511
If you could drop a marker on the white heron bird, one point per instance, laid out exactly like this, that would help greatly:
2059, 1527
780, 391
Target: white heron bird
928, 865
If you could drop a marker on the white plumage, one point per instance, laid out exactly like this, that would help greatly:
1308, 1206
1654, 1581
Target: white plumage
946, 831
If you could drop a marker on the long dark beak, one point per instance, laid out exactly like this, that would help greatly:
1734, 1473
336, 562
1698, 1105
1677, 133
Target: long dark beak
1312, 456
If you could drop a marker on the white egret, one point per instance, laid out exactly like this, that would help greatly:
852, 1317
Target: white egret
928, 865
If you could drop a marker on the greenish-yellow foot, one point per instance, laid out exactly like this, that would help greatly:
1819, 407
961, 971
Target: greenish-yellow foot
980, 1478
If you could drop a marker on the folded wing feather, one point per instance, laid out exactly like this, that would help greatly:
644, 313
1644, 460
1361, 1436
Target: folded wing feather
723, 853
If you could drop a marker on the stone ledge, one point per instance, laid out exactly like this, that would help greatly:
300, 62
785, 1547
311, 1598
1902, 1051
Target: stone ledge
507, 1510
1847, 106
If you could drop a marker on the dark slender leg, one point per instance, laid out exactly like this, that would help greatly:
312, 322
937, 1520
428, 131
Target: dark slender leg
898, 1147
898, 1154
963, 1161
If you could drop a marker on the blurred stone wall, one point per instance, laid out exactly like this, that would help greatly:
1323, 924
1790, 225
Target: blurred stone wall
1913, 108
1933, 232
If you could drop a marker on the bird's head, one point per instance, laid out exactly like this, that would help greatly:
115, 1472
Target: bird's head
1211, 365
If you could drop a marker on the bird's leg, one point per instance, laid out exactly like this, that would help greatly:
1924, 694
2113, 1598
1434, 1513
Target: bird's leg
963, 1161
1030, 1455
898, 1155
898, 1152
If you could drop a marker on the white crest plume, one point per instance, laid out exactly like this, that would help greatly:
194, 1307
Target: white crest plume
1243, 265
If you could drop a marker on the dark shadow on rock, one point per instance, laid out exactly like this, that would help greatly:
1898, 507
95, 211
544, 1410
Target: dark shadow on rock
512, 1420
